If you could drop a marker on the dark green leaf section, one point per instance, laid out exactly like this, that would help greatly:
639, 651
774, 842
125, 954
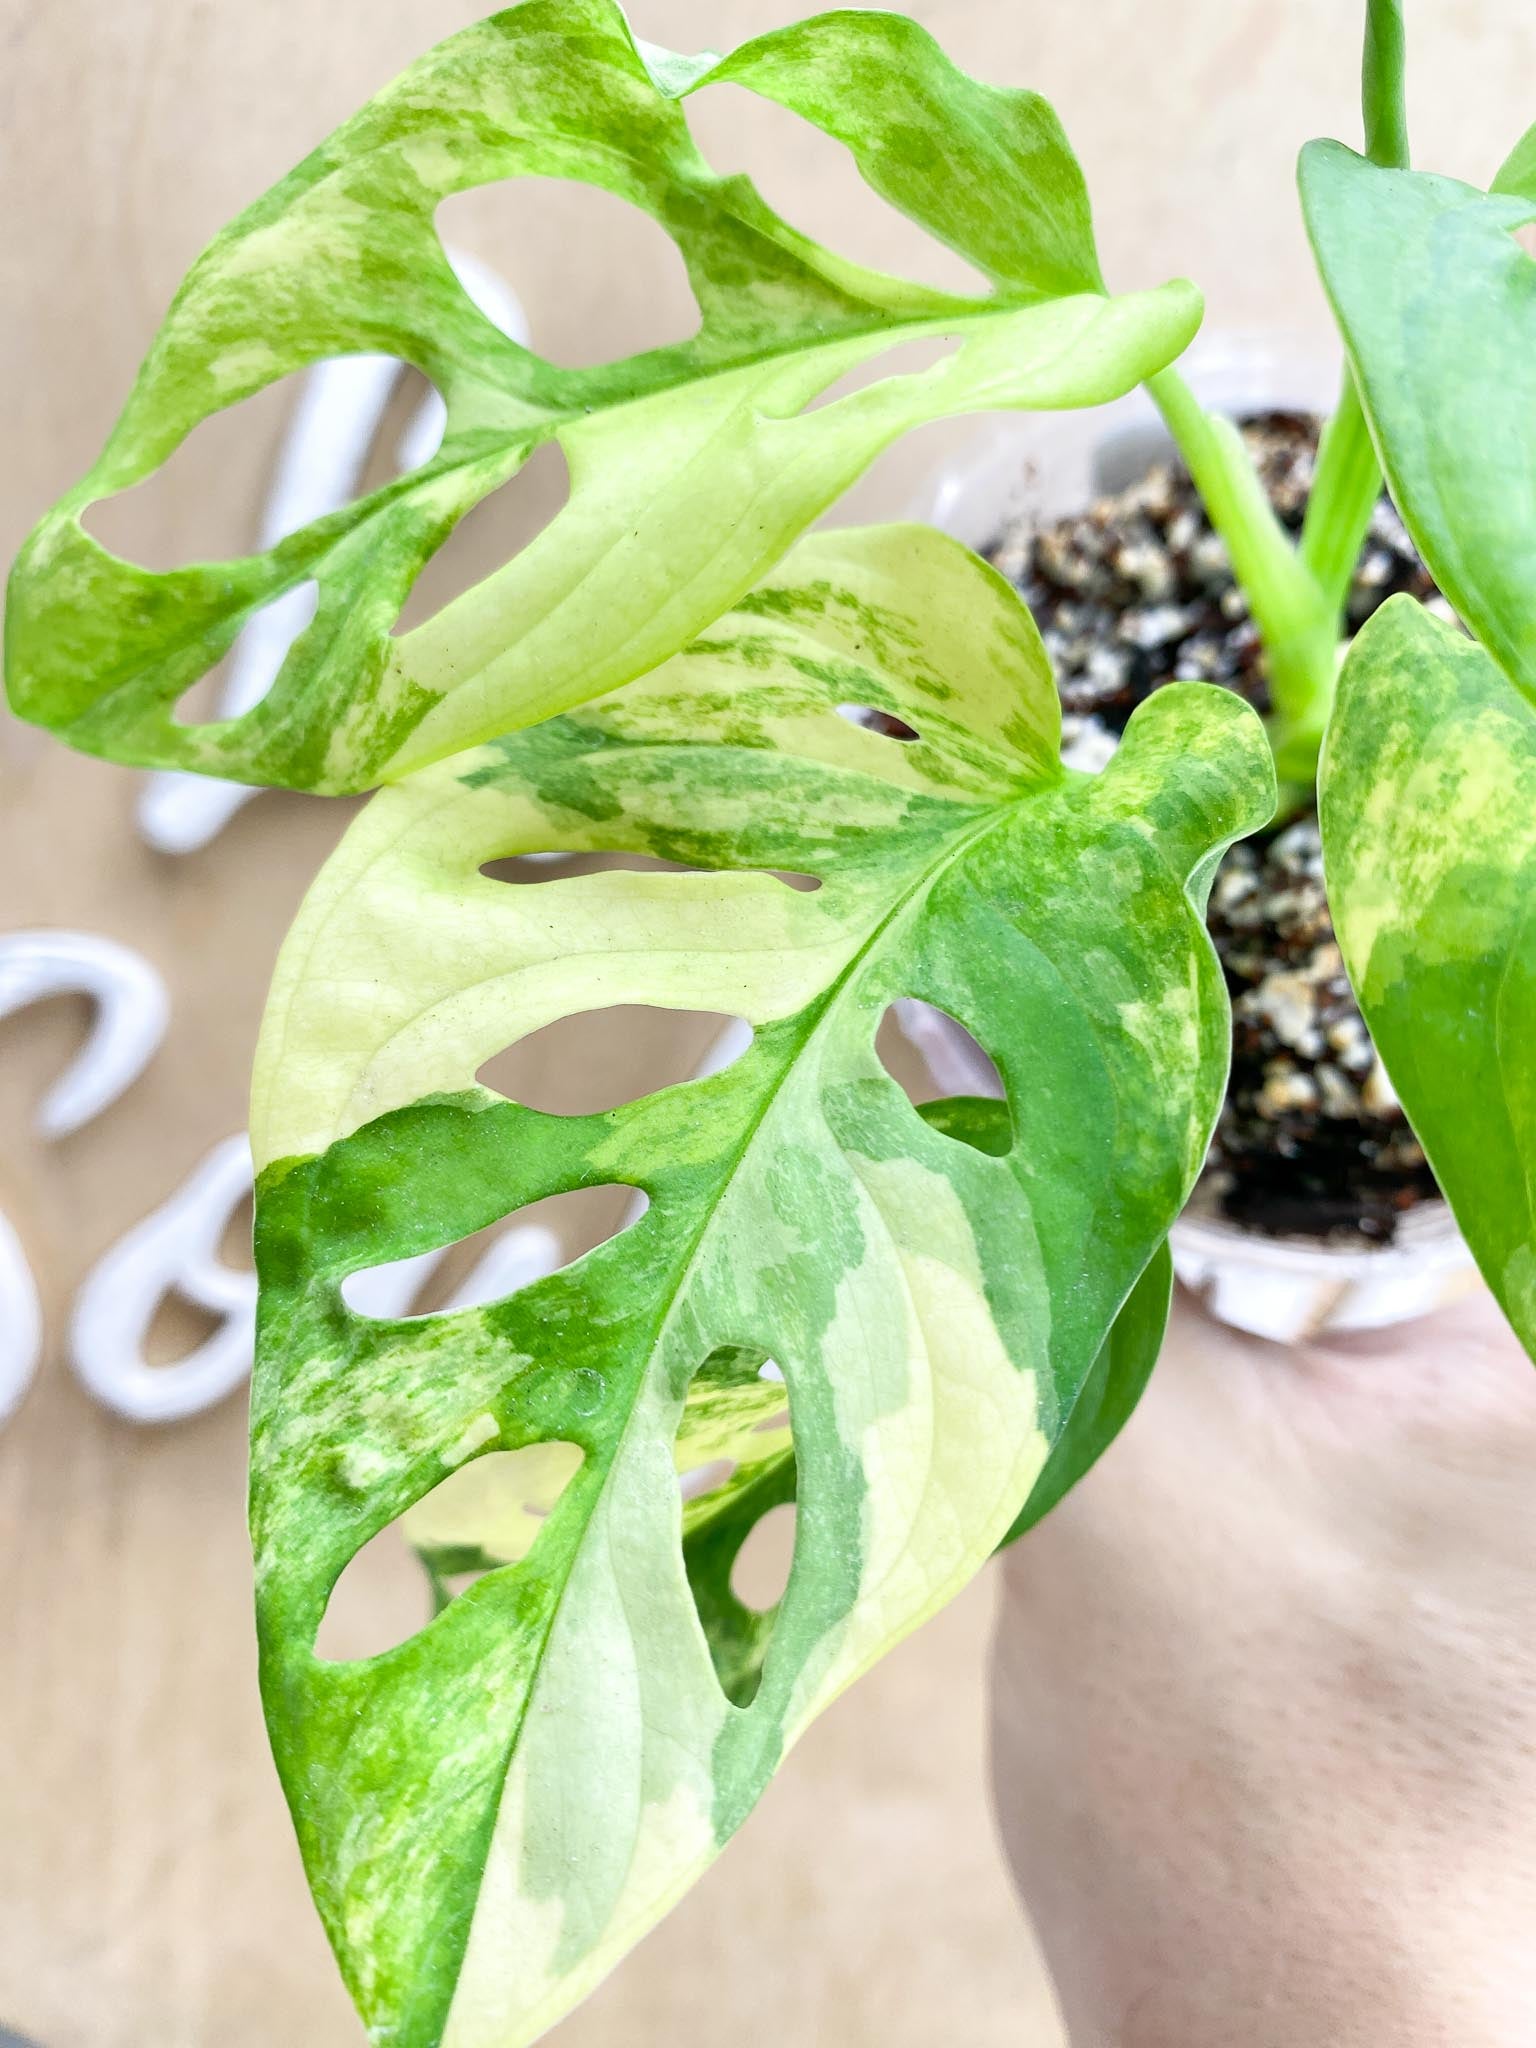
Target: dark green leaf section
1115, 1383
491, 1813
1437, 304
692, 467
1429, 831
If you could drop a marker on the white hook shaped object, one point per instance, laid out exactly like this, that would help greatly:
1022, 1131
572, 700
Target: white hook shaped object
335, 423
176, 1249
21, 1323
132, 1011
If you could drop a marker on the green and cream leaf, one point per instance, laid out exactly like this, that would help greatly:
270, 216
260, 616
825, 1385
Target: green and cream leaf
494, 1811
692, 466
1428, 801
1437, 304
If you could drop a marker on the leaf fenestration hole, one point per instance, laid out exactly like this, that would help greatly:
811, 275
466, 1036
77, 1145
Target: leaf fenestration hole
490, 534
931, 1056
736, 1460
906, 359
811, 179
598, 277
306, 445
1526, 237
526, 868
233, 685
594, 1060
481, 1518
885, 723
494, 1263
761, 1571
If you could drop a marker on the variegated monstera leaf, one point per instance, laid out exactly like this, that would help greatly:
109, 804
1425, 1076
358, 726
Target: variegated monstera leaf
1429, 831
493, 1811
693, 467
1429, 773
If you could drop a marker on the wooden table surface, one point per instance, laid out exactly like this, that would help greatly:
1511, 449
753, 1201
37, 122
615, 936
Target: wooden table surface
150, 1895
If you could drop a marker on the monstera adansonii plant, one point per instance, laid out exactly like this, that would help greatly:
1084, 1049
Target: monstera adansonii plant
807, 777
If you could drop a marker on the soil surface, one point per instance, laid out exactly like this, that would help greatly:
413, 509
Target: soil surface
1136, 592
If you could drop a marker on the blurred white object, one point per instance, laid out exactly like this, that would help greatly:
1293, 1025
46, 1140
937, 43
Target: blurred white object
334, 425
176, 1249
131, 1015
21, 1323
130, 1021
724, 1049
1043, 467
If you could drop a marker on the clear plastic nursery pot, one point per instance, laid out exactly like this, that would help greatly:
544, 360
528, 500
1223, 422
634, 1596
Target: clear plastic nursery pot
1044, 467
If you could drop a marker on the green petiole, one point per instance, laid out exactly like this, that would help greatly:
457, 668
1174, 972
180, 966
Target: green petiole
1296, 618
1344, 494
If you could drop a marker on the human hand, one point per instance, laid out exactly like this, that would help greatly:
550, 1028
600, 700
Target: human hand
1264, 1699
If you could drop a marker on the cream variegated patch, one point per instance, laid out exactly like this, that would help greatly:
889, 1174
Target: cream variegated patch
947, 1462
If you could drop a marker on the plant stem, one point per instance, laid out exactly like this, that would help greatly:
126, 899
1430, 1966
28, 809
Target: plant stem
1344, 494
1381, 84
1296, 618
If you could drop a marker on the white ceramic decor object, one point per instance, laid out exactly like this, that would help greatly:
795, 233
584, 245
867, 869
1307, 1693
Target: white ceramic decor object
1044, 467
523, 1253
953, 1062
334, 425
21, 1323
132, 1011
174, 1250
